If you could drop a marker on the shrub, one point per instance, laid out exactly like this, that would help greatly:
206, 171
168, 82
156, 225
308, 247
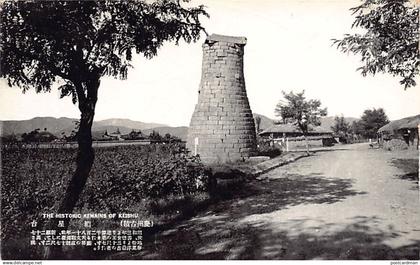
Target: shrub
395, 144
123, 179
264, 149
124, 175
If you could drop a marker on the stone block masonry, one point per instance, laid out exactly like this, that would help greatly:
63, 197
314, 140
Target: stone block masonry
222, 128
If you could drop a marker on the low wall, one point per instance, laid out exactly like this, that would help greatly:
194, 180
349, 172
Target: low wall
298, 144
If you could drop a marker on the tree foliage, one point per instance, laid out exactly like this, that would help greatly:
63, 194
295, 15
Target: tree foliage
301, 112
298, 110
155, 135
357, 128
341, 127
390, 38
43, 41
371, 121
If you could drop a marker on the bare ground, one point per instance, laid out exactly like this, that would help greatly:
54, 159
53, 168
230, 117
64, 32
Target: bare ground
351, 203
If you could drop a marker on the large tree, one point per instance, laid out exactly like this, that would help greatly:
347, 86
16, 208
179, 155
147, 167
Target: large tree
357, 128
303, 113
371, 121
389, 40
71, 45
341, 127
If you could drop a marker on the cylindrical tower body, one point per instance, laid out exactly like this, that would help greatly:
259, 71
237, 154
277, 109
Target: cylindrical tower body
222, 127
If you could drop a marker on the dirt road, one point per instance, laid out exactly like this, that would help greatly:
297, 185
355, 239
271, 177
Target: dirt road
344, 204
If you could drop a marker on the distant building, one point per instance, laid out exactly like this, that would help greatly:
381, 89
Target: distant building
279, 133
117, 135
102, 136
134, 135
402, 133
290, 130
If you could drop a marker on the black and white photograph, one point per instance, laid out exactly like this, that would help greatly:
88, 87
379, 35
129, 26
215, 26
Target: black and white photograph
173, 130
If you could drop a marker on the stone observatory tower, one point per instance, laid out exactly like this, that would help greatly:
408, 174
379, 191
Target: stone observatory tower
222, 127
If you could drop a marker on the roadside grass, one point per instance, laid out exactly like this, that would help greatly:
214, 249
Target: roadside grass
409, 166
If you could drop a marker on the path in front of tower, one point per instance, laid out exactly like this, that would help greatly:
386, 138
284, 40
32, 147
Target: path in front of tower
344, 204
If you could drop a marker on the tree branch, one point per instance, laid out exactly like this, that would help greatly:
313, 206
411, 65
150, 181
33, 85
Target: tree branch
52, 68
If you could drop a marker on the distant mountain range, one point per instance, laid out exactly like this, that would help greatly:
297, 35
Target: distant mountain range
265, 121
136, 125
180, 132
58, 126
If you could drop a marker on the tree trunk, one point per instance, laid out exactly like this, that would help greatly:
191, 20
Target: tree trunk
84, 161
306, 143
304, 129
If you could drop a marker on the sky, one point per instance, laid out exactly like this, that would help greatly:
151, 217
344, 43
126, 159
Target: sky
289, 48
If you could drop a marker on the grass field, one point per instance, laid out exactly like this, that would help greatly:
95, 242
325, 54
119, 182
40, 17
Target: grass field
410, 166
159, 182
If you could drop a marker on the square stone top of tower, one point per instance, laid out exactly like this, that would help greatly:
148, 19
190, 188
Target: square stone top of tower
224, 38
